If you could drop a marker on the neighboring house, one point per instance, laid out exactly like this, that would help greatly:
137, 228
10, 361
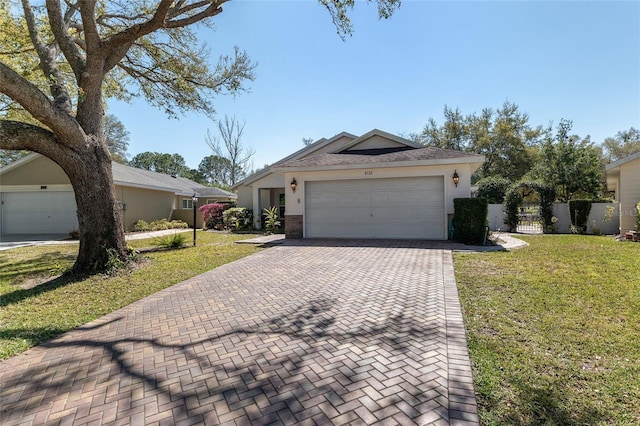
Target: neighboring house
623, 177
377, 185
36, 197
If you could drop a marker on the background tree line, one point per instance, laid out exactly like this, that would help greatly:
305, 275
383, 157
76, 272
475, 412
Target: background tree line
516, 150
228, 163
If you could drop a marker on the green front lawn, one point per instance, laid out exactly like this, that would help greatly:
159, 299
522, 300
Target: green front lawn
554, 331
35, 308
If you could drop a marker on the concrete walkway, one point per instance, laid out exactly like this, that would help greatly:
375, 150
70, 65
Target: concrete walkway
14, 241
307, 332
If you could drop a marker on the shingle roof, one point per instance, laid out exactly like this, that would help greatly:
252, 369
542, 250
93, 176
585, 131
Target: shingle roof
346, 158
127, 175
131, 176
622, 161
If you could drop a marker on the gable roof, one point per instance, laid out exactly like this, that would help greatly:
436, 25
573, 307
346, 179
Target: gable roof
382, 158
303, 152
401, 152
385, 135
131, 176
613, 166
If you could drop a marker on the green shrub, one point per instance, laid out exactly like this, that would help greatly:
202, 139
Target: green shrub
514, 197
493, 188
141, 225
470, 219
178, 224
158, 225
238, 218
579, 211
170, 241
271, 219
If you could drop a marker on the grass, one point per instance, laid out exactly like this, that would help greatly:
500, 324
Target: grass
554, 331
36, 305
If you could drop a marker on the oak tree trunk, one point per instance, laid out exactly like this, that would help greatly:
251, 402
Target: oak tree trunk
102, 238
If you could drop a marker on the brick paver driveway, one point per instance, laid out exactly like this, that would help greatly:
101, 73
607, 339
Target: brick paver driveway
311, 332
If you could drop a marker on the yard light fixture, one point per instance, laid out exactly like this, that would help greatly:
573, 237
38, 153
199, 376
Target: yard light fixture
294, 185
456, 178
195, 204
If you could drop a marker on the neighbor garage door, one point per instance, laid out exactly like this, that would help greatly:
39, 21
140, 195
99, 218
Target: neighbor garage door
411, 207
46, 212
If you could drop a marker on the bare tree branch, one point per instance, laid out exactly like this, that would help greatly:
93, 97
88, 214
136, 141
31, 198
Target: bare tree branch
229, 146
213, 9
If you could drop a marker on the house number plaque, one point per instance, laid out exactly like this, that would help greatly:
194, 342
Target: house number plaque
368, 173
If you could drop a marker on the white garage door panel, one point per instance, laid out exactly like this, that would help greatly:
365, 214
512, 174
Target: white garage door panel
376, 208
47, 212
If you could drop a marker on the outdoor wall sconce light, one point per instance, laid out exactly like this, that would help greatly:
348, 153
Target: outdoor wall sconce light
294, 185
456, 178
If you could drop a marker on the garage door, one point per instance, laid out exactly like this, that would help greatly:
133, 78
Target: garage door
47, 212
411, 208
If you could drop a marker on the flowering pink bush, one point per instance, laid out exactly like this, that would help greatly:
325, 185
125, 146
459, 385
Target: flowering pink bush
212, 214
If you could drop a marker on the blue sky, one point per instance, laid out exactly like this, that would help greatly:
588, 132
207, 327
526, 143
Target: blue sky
578, 60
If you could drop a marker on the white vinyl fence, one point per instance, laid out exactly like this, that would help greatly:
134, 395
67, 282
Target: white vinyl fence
604, 218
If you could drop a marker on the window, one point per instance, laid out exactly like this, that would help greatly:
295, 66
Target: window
187, 203
281, 202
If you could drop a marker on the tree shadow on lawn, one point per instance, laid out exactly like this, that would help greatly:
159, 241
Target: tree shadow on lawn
546, 406
295, 366
17, 296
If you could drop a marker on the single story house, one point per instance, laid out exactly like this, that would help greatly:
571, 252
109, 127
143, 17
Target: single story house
623, 177
376, 186
36, 197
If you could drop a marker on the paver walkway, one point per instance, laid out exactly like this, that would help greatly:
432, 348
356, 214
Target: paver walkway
309, 332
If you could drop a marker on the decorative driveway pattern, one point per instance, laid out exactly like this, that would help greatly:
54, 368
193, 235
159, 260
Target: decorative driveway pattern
310, 332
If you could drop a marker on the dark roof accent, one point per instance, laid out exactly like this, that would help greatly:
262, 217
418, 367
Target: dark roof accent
350, 158
376, 151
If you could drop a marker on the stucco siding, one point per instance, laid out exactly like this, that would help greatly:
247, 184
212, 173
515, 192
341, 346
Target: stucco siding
629, 196
376, 142
144, 204
245, 197
40, 171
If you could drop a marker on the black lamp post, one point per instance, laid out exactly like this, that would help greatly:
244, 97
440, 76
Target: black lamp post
195, 204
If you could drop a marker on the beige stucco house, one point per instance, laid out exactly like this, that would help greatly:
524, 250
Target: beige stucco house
377, 185
623, 177
36, 197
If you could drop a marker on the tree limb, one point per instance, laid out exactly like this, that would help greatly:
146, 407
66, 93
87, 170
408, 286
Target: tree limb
118, 44
69, 49
91, 33
39, 106
213, 10
16, 135
48, 63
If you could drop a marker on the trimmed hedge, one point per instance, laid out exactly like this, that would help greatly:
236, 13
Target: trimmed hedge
579, 211
470, 219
